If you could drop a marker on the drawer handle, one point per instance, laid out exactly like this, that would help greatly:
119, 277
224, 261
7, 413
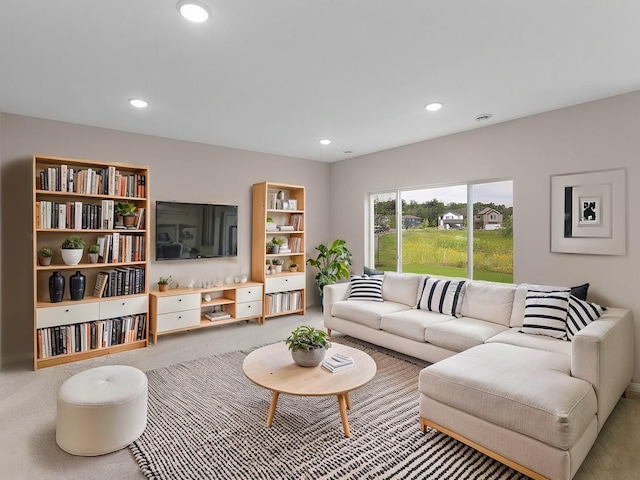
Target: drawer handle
124, 303
179, 316
179, 299
67, 310
248, 306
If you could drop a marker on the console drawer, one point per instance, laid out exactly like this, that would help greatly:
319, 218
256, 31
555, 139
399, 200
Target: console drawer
249, 309
177, 303
249, 294
175, 320
284, 283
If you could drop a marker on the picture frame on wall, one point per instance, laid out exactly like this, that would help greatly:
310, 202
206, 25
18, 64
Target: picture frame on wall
588, 212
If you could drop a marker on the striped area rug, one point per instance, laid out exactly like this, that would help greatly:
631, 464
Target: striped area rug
207, 421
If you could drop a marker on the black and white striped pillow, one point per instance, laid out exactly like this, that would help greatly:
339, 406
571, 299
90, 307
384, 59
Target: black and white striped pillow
581, 314
545, 312
366, 288
442, 296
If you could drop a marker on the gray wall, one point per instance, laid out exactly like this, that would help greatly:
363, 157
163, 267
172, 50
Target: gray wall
597, 135
179, 171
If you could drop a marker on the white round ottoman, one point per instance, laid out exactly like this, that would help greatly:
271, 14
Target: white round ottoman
101, 410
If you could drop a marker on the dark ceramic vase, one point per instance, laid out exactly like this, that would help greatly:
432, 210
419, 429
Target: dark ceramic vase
77, 284
56, 287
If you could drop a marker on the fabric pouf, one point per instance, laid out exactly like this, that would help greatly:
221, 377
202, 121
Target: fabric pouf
101, 410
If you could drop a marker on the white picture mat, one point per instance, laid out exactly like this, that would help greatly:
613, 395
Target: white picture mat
600, 195
615, 244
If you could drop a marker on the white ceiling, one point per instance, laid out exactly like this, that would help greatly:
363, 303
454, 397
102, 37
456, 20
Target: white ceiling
278, 75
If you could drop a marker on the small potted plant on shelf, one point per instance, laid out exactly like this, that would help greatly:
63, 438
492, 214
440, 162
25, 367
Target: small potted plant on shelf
267, 266
269, 247
163, 283
94, 251
293, 267
128, 213
277, 262
44, 256
308, 345
72, 250
277, 243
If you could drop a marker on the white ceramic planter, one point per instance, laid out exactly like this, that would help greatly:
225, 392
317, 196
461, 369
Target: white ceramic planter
71, 256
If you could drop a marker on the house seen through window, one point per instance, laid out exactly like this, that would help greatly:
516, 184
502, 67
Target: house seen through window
437, 227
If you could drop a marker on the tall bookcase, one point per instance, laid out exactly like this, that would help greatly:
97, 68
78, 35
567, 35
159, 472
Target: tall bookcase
279, 211
78, 197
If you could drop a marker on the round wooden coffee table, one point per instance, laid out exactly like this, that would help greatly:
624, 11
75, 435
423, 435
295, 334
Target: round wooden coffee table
273, 368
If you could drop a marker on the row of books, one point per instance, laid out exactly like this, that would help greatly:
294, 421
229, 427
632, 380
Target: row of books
82, 337
121, 247
79, 215
106, 181
297, 221
337, 362
295, 244
120, 281
283, 302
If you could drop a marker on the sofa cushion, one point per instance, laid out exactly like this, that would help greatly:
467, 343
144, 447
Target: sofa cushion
488, 301
581, 314
461, 333
364, 312
442, 295
513, 336
401, 288
517, 315
545, 312
522, 389
366, 288
411, 323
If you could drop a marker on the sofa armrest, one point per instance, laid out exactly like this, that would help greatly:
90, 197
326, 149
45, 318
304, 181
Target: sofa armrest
333, 293
603, 354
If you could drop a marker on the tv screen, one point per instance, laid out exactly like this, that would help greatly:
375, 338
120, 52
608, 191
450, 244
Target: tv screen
195, 230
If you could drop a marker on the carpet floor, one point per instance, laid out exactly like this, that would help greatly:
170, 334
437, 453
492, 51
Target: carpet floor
207, 420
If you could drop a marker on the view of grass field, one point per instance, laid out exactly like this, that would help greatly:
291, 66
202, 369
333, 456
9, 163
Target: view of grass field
444, 252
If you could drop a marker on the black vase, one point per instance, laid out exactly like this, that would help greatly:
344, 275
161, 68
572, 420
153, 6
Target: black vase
56, 287
77, 284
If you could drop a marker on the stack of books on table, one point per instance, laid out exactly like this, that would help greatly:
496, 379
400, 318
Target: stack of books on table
337, 362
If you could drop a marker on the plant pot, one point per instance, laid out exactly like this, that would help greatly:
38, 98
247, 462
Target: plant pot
293, 269
309, 358
278, 268
129, 220
93, 258
163, 288
72, 256
44, 261
275, 249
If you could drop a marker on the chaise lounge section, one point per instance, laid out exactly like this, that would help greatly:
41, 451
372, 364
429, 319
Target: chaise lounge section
535, 401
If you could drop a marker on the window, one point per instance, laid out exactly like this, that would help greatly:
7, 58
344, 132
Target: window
434, 233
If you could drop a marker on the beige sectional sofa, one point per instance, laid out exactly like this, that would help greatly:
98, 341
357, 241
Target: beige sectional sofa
532, 401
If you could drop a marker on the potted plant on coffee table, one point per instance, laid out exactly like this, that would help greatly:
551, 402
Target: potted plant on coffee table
44, 256
308, 345
72, 250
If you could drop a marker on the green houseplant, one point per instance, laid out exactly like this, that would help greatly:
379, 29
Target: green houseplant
72, 250
277, 263
308, 345
163, 283
332, 263
127, 211
44, 256
293, 267
276, 243
93, 251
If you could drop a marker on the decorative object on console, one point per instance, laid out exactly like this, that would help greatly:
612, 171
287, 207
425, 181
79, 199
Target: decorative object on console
72, 250
56, 287
44, 256
588, 212
77, 285
163, 283
308, 345
332, 263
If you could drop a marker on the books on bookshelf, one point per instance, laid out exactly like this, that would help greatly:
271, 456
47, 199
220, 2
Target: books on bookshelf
337, 362
82, 337
283, 302
92, 181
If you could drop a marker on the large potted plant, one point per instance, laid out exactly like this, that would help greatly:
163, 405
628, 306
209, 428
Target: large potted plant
72, 250
332, 263
308, 345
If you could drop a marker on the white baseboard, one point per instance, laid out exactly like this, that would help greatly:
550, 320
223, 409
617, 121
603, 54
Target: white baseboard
634, 387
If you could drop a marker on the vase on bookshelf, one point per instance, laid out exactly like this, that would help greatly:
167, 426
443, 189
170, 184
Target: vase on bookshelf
77, 284
56, 287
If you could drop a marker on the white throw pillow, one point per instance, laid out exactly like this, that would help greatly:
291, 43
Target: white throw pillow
366, 288
401, 288
443, 296
581, 314
545, 312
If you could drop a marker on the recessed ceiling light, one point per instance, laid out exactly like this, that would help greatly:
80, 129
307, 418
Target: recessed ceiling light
483, 116
138, 102
325, 141
194, 10
434, 107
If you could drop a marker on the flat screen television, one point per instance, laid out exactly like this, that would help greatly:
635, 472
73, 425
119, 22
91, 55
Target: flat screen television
195, 230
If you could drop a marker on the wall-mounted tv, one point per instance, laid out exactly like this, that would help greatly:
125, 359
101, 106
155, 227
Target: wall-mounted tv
195, 230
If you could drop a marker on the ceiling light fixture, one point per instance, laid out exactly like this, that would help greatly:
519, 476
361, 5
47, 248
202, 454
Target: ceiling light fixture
325, 141
138, 102
484, 116
194, 10
434, 107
